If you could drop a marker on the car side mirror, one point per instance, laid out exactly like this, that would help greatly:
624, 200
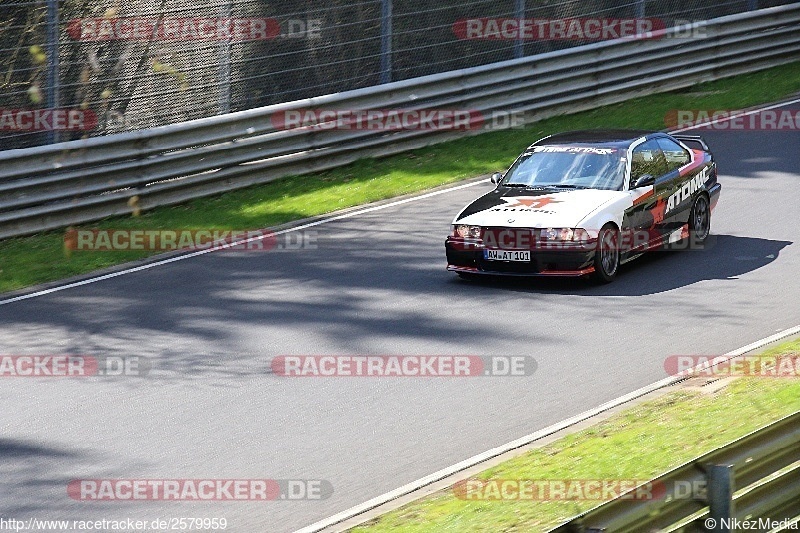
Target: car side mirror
644, 180
496, 177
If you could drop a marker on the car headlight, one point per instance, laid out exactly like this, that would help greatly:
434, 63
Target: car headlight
564, 234
467, 232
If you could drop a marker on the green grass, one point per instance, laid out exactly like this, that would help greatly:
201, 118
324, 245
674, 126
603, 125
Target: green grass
30, 260
640, 443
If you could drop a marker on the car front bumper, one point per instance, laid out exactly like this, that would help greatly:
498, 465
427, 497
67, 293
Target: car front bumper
470, 259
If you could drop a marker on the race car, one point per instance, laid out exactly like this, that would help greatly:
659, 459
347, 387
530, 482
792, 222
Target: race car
584, 202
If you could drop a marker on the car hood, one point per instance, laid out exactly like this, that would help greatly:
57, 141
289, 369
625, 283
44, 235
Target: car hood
526, 208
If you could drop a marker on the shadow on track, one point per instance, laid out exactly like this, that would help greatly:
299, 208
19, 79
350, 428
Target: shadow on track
725, 257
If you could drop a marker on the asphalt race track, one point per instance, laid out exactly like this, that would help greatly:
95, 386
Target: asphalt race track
374, 284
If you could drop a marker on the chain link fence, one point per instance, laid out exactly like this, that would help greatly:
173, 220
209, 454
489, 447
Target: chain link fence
71, 69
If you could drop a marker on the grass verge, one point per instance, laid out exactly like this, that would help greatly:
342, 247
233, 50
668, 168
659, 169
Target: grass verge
40, 258
639, 443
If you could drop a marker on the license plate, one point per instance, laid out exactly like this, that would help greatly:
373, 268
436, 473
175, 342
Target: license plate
507, 255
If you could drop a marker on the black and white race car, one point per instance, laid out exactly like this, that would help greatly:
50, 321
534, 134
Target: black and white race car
584, 202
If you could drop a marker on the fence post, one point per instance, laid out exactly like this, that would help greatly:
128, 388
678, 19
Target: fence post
386, 41
720, 496
224, 71
53, 97
640, 8
519, 44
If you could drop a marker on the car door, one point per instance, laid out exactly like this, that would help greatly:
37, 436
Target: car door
676, 157
645, 219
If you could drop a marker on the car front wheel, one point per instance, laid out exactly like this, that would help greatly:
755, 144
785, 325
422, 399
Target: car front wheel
606, 257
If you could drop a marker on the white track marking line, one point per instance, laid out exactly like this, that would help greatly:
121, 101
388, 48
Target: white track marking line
745, 114
528, 439
154, 264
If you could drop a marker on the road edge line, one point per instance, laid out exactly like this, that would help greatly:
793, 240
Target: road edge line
296, 226
528, 439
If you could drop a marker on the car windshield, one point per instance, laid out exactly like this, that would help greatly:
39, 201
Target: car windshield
569, 167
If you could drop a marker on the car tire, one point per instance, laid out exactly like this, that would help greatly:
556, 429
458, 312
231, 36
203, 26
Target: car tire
606, 257
700, 220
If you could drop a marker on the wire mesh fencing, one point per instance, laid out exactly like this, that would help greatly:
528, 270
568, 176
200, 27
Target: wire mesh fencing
71, 69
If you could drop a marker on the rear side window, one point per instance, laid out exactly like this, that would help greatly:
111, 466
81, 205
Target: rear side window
648, 158
675, 154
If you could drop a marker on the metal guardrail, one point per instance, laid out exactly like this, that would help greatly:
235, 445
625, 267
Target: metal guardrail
79, 181
756, 476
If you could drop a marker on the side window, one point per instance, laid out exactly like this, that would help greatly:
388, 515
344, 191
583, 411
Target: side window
647, 158
674, 153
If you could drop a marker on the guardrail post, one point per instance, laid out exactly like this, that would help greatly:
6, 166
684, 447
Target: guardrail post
519, 44
386, 41
720, 496
52, 62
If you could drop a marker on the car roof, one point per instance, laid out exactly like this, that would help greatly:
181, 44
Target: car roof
619, 138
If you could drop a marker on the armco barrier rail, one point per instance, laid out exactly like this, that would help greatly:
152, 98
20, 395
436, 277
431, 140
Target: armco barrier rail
70, 183
755, 477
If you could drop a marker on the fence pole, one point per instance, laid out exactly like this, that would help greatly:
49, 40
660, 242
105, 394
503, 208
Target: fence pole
224, 72
640, 10
52, 62
386, 41
519, 44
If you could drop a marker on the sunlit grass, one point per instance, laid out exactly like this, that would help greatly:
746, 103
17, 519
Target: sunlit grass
640, 443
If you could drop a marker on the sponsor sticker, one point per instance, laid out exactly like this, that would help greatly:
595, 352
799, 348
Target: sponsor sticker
574, 150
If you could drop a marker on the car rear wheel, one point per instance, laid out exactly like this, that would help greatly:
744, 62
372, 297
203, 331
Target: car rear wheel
606, 257
700, 220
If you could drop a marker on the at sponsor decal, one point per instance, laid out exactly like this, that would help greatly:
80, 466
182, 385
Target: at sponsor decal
687, 190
